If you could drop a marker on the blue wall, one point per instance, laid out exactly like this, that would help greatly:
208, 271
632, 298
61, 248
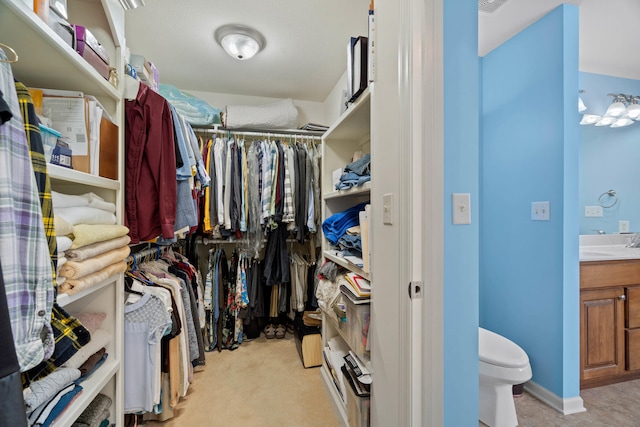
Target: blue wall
529, 287
609, 157
461, 159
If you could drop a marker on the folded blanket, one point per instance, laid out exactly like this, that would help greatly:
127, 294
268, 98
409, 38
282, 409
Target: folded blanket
276, 115
62, 226
64, 243
62, 260
78, 269
42, 390
86, 215
61, 200
85, 234
72, 286
95, 249
99, 339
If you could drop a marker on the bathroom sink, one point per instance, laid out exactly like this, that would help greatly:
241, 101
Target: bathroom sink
608, 252
594, 254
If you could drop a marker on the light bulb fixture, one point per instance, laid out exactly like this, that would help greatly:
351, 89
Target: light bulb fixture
239, 41
633, 110
589, 119
581, 106
622, 112
617, 108
621, 122
606, 121
131, 4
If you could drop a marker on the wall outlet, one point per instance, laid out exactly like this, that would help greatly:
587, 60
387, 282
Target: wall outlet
593, 211
540, 211
623, 226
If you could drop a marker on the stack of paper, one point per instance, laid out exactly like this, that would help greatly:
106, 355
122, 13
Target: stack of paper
356, 287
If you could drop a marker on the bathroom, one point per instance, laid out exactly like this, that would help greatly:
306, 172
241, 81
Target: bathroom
532, 151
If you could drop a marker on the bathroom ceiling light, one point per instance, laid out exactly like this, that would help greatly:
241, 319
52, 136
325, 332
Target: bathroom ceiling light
589, 119
239, 41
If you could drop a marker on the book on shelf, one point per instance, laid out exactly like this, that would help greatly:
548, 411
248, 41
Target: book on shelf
348, 291
360, 284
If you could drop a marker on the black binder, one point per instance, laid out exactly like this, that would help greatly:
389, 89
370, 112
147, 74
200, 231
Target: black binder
357, 79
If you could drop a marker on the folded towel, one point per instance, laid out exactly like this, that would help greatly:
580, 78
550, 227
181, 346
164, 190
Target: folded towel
99, 339
84, 234
78, 269
62, 226
96, 249
64, 243
86, 215
72, 286
61, 200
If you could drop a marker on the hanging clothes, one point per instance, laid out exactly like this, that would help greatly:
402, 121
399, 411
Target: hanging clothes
28, 280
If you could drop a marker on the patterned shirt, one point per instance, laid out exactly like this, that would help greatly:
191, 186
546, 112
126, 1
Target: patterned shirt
26, 262
40, 169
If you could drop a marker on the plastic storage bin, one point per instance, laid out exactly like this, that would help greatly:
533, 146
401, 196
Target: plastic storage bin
49, 139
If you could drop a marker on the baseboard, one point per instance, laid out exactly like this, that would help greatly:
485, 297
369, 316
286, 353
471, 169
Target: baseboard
567, 406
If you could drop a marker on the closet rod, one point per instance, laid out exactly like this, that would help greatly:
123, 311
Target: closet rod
280, 133
140, 255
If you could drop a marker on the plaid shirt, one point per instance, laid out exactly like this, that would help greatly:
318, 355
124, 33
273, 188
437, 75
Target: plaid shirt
69, 336
40, 170
289, 213
26, 262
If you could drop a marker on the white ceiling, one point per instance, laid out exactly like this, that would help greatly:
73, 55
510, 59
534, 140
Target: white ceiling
305, 52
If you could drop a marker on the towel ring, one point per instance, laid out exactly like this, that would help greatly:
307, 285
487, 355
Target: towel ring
611, 194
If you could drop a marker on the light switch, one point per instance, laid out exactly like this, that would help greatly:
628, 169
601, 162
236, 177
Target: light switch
461, 208
540, 211
387, 209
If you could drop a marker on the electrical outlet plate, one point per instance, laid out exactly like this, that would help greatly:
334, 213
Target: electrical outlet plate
461, 208
593, 211
540, 211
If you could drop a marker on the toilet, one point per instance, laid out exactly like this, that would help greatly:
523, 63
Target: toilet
502, 364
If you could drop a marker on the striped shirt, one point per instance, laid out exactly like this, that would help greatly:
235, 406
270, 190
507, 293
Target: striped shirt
26, 263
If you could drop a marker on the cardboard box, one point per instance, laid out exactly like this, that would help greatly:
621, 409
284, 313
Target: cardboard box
108, 150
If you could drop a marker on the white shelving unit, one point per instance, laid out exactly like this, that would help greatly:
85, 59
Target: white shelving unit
45, 61
349, 134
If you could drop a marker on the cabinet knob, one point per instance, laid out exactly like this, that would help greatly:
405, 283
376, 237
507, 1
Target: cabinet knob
622, 297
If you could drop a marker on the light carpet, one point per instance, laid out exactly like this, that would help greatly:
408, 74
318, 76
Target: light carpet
260, 384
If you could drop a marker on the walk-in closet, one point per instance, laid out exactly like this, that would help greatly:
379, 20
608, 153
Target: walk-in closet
194, 246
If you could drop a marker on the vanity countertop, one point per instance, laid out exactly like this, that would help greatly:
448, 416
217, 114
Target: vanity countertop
607, 247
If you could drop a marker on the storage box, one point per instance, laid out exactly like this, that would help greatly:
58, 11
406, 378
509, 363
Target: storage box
108, 161
357, 328
91, 50
62, 28
358, 409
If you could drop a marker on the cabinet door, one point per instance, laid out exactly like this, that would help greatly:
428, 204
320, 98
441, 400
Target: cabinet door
632, 310
601, 333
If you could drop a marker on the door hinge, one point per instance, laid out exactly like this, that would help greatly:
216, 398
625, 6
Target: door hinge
415, 290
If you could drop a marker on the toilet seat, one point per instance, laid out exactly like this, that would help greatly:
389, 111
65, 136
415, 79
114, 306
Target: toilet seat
497, 350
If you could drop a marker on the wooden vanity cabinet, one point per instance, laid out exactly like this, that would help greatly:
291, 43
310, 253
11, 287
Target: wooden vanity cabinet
609, 322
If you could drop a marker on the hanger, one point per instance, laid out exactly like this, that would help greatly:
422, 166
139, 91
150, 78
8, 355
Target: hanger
15, 55
129, 285
131, 87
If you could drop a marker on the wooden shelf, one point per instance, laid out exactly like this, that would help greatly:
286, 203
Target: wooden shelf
353, 191
44, 58
338, 403
346, 264
355, 123
66, 175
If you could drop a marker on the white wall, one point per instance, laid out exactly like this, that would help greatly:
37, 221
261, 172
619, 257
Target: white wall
334, 99
308, 111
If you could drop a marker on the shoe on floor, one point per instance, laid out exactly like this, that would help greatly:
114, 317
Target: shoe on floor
281, 331
270, 331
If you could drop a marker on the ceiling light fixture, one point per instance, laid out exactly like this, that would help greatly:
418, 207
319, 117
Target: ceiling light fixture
239, 41
131, 4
